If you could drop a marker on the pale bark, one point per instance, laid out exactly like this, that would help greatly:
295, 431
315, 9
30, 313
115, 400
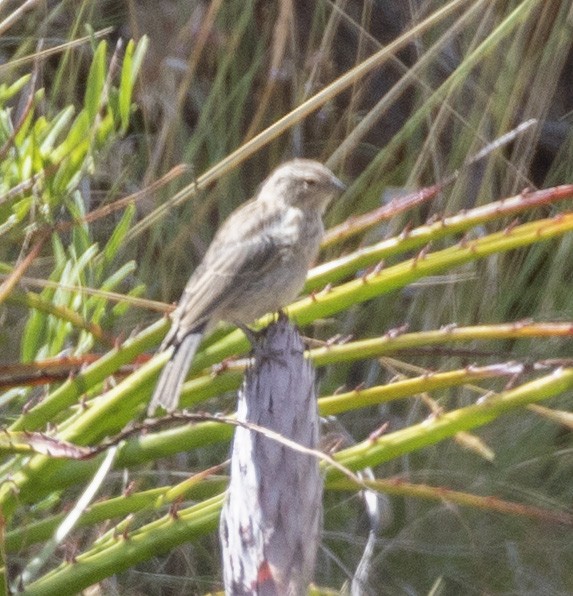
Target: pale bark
271, 522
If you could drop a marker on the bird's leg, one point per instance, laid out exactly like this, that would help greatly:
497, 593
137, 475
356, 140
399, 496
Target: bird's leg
256, 339
281, 315
253, 335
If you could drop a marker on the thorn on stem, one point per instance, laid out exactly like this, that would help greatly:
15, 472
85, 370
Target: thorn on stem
128, 490
396, 331
174, 509
510, 227
405, 233
378, 267
421, 255
220, 367
376, 434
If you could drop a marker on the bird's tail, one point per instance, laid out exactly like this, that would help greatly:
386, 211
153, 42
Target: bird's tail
168, 387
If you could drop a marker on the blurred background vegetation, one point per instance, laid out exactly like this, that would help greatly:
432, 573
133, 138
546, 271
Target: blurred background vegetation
451, 78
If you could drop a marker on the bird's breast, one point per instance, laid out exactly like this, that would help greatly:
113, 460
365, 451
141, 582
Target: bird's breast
291, 225
299, 231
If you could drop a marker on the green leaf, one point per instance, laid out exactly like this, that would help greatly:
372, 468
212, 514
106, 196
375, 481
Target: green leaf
131, 65
96, 81
8, 91
55, 128
78, 135
118, 236
33, 331
22, 134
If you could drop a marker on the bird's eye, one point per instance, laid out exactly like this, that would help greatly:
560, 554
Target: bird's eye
310, 182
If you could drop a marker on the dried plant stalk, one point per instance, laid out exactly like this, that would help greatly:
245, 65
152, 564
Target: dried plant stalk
271, 521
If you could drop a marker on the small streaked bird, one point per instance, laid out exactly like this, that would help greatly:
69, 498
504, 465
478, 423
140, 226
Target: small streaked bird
256, 264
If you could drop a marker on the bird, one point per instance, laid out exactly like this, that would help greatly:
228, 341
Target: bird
256, 264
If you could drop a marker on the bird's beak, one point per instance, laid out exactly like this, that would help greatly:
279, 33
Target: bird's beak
338, 184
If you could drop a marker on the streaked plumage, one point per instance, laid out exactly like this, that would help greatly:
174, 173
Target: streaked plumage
257, 263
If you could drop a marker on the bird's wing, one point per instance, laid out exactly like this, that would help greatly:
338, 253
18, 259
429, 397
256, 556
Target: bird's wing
243, 247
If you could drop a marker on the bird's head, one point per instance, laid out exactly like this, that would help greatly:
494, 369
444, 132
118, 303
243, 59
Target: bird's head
302, 183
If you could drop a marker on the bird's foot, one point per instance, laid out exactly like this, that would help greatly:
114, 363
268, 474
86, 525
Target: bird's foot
261, 352
253, 335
